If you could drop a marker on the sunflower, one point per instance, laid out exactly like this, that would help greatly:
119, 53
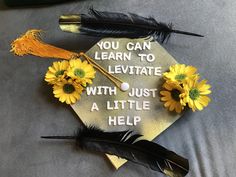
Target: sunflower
56, 72
67, 91
82, 72
180, 73
195, 94
171, 96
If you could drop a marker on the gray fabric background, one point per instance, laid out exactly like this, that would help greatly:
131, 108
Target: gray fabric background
28, 109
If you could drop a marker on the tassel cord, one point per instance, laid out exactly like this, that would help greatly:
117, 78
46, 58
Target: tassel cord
111, 77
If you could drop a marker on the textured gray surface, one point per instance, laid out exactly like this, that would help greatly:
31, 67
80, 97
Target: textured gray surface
28, 110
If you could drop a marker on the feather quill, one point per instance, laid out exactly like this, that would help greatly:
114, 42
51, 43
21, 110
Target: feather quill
111, 24
126, 145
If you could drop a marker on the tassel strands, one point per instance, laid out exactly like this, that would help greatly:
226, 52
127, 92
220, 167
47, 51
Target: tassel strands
31, 44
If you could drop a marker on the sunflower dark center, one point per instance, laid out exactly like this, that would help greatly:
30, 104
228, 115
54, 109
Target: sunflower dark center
180, 77
194, 93
175, 94
79, 72
59, 73
68, 88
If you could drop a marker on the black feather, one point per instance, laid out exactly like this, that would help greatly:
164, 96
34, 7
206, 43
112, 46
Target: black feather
125, 145
110, 24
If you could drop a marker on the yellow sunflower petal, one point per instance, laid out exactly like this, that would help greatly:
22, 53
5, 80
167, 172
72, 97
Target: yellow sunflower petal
62, 98
190, 70
190, 103
68, 100
198, 105
165, 93
167, 86
204, 100
167, 104
165, 98
172, 106
72, 99
182, 68
77, 96
178, 108
206, 92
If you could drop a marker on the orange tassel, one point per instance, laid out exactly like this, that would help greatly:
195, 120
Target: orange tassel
31, 43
